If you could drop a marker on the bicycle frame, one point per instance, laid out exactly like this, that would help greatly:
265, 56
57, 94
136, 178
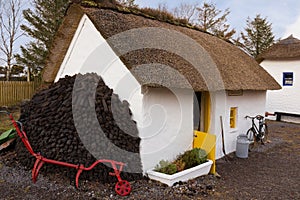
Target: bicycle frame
257, 131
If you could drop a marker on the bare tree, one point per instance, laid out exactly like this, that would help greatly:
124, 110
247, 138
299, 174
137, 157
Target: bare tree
127, 3
185, 11
10, 32
212, 20
163, 7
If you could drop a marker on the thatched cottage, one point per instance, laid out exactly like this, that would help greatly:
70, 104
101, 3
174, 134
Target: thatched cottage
176, 78
282, 61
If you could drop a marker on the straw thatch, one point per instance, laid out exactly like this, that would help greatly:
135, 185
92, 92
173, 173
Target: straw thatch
208, 64
288, 48
61, 43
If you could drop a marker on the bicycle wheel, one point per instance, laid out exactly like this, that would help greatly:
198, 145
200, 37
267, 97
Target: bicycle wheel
264, 133
250, 135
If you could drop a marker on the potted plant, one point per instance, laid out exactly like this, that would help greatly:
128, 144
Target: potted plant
191, 164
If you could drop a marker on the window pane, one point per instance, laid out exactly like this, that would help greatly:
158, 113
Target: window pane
288, 78
233, 116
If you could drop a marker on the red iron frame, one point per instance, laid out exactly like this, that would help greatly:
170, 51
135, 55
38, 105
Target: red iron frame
122, 187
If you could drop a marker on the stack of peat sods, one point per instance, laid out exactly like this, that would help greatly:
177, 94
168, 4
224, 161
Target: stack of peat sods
79, 120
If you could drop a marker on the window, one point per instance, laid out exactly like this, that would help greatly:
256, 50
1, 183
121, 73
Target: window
233, 116
288, 78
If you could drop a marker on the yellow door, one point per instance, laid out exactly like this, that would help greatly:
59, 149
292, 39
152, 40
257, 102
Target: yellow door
207, 105
207, 142
204, 140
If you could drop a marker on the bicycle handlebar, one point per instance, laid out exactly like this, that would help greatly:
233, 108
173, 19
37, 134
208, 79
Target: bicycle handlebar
258, 117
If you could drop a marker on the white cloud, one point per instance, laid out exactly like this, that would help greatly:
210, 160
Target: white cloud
293, 29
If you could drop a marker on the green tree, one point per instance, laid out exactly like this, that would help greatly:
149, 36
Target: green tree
15, 70
258, 36
42, 23
213, 20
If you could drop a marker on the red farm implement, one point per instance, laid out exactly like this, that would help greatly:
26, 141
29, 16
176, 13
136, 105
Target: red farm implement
122, 187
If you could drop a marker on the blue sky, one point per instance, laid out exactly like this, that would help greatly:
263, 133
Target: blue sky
284, 15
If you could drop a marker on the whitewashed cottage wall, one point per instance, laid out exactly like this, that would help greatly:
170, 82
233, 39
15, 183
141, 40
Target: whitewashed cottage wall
251, 103
286, 99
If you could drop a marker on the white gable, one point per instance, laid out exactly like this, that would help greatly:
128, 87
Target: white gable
89, 52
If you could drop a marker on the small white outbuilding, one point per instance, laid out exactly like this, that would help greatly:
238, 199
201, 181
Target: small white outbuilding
177, 79
282, 61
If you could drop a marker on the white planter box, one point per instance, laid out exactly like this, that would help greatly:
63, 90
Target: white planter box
184, 175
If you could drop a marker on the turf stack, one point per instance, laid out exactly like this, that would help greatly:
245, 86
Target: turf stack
58, 119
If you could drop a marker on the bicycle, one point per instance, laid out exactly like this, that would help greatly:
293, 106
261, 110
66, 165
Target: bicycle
259, 134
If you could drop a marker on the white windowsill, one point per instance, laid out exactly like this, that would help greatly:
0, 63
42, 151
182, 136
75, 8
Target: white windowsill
233, 130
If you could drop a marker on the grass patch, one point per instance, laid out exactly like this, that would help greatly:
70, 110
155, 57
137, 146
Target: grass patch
5, 122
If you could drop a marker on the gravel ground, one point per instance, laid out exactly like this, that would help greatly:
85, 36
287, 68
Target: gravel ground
271, 172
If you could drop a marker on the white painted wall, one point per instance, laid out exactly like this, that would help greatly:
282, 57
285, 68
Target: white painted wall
166, 128
250, 103
286, 99
89, 52
218, 108
168, 125
173, 135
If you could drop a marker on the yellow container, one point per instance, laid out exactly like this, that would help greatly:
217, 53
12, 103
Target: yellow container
207, 142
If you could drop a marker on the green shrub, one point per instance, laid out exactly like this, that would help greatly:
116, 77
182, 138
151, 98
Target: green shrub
193, 157
180, 165
166, 167
187, 160
202, 155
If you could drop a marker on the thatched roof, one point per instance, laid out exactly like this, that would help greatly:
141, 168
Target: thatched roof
207, 63
288, 48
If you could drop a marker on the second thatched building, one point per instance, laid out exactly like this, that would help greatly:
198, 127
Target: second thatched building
282, 61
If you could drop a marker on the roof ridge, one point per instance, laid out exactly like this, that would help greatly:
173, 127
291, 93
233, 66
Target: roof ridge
142, 12
225, 57
289, 40
139, 12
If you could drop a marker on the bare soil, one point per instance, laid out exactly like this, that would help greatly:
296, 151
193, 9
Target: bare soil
271, 172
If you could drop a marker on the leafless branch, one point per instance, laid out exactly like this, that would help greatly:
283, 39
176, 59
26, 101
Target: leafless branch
10, 32
185, 11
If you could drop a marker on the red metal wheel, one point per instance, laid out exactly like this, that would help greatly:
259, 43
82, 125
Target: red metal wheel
123, 188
